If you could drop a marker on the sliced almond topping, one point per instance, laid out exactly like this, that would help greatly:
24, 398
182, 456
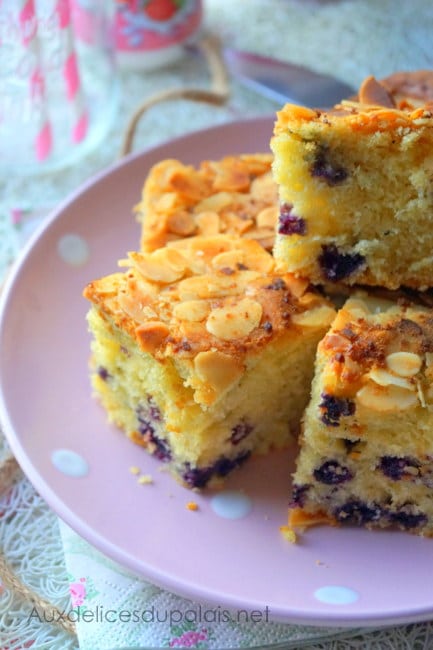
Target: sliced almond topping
151, 335
372, 92
217, 371
405, 364
385, 378
192, 310
235, 321
228, 259
357, 308
134, 308
163, 265
181, 223
317, 317
256, 257
208, 223
207, 286
386, 398
267, 218
214, 203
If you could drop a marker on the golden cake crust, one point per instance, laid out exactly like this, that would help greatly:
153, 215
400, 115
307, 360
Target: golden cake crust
235, 195
209, 302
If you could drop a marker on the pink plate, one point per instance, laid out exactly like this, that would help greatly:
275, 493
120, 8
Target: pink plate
228, 553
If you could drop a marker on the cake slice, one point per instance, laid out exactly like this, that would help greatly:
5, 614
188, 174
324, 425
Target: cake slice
366, 451
355, 186
203, 352
235, 195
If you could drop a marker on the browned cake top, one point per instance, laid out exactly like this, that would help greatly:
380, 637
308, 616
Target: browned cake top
401, 101
383, 359
210, 300
236, 195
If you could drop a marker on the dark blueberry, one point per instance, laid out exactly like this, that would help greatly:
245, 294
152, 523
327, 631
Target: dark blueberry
154, 412
332, 473
395, 467
299, 492
277, 285
161, 448
267, 326
198, 477
103, 373
333, 408
357, 513
407, 518
289, 223
226, 270
336, 265
146, 417
240, 431
323, 168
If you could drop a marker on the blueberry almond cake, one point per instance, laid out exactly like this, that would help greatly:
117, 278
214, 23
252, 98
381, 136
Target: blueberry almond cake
203, 352
235, 195
355, 186
366, 448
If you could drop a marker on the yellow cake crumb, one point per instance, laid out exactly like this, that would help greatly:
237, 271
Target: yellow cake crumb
134, 470
145, 479
192, 505
288, 534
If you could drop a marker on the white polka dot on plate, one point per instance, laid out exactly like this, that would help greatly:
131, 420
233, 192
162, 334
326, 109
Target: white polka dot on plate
73, 249
336, 595
70, 463
231, 504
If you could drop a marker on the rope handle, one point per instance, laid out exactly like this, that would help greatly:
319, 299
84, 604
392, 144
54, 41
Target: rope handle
218, 94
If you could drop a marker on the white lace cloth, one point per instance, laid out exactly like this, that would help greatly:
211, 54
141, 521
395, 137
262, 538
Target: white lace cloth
347, 38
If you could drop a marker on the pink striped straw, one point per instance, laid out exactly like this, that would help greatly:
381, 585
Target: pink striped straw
71, 75
29, 34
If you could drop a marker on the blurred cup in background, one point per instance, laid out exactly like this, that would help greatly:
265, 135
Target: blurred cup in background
149, 33
57, 82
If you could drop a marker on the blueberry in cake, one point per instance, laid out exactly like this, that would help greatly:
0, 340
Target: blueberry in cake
203, 352
235, 195
366, 449
355, 186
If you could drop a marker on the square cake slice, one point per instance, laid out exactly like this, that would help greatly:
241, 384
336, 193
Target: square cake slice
355, 186
203, 352
236, 195
366, 450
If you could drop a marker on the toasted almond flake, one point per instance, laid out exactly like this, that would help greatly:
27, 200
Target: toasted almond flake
267, 218
135, 306
236, 320
192, 310
208, 223
316, 317
228, 259
428, 359
386, 398
385, 378
405, 364
163, 265
151, 335
217, 370
181, 223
